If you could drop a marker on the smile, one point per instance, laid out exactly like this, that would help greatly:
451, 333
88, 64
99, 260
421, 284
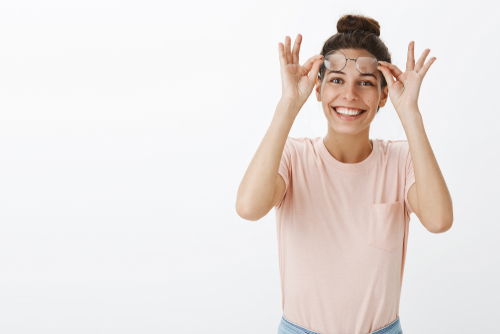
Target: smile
348, 114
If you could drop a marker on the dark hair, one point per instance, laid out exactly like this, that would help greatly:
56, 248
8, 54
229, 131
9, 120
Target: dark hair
357, 32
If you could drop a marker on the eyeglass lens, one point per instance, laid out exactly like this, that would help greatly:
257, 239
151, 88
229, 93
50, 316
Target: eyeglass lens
365, 63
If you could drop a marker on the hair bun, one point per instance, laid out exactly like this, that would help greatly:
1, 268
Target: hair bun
349, 23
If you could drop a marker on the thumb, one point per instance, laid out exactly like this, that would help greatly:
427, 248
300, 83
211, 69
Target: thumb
387, 75
314, 71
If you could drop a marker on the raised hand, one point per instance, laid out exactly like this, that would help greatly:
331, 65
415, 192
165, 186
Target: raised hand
404, 87
297, 82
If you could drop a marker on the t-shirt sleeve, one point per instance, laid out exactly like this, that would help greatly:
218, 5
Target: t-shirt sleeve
409, 179
285, 169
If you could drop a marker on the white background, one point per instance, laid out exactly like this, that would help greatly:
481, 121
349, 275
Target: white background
127, 126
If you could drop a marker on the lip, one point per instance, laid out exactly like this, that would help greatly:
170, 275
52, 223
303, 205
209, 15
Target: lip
347, 107
347, 118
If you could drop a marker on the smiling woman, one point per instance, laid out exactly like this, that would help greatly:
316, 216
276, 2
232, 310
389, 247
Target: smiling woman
346, 93
359, 33
343, 201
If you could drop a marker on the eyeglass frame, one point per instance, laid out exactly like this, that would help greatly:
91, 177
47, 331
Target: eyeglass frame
346, 59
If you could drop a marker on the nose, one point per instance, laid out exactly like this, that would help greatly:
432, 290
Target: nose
349, 91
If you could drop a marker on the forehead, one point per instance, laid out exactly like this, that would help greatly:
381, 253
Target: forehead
350, 68
353, 53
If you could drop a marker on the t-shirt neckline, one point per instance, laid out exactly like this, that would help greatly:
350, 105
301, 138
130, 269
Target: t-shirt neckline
353, 167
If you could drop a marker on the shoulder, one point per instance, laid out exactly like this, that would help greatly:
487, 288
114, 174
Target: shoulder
300, 140
393, 149
301, 144
391, 146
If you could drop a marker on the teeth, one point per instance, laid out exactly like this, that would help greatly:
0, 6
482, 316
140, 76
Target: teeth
346, 111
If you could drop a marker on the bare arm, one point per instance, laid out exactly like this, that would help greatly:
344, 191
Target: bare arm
429, 196
257, 191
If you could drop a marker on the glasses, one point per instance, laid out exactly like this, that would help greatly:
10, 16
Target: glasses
335, 61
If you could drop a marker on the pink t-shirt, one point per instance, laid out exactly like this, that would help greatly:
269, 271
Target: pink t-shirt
342, 235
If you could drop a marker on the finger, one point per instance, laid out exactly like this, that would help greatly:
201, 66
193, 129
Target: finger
288, 54
393, 68
281, 49
315, 70
410, 61
421, 60
296, 49
309, 63
426, 67
387, 75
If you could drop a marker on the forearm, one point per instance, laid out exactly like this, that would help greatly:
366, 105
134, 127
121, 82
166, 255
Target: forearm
257, 187
433, 197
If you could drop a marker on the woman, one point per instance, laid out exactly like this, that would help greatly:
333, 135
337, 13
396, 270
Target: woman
343, 201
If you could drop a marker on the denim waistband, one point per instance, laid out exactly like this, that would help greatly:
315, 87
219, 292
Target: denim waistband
288, 327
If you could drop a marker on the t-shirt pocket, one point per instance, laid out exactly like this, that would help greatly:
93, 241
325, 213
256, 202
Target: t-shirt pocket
386, 225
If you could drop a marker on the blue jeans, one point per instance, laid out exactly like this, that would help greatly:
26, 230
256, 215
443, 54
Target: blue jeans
288, 327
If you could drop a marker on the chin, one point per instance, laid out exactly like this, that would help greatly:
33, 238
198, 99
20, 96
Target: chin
350, 128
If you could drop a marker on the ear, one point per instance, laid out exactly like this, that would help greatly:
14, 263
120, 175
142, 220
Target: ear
317, 89
383, 98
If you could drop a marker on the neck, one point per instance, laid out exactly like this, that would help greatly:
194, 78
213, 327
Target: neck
346, 148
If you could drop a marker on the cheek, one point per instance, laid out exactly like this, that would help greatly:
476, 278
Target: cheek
373, 98
328, 96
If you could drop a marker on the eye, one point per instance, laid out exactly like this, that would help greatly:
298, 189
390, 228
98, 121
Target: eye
338, 80
366, 83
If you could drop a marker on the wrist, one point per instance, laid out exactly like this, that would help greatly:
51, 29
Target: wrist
410, 116
289, 106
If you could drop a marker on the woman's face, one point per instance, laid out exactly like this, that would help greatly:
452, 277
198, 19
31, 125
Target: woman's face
350, 91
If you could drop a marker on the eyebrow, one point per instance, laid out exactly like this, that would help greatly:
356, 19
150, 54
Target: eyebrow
363, 75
